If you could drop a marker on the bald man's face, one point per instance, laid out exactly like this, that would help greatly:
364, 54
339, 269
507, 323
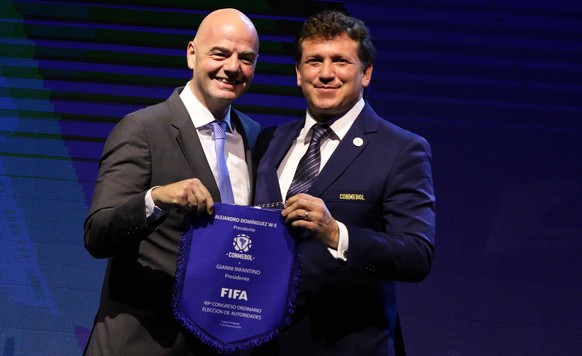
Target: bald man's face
223, 57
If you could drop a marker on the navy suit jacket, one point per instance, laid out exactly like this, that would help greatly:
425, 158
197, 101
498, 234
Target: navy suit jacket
378, 182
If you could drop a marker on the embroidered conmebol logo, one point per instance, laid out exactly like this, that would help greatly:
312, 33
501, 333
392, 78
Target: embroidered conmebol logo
242, 243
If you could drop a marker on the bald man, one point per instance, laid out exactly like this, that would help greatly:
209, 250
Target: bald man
157, 172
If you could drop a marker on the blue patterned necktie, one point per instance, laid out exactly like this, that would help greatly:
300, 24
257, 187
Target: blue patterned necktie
223, 179
308, 167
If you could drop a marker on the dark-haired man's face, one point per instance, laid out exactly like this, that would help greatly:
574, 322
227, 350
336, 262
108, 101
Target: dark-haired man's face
330, 75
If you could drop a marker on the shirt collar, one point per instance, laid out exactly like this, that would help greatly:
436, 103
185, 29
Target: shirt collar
340, 126
199, 114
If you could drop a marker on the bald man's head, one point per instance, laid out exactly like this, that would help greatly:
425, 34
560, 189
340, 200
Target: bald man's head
222, 57
226, 17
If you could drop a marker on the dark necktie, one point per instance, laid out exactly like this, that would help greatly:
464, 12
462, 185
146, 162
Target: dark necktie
308, 167
223, 179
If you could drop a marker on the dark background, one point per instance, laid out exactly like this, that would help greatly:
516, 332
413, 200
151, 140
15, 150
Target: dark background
495, 87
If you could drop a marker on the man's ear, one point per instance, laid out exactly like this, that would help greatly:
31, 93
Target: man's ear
190, 54
367, 76
298, 75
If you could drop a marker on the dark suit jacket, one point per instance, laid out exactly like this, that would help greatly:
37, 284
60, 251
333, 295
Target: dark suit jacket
157, 145
382, 190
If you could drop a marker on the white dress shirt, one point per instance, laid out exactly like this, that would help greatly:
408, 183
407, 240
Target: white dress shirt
234, 147
287, 168
234, 150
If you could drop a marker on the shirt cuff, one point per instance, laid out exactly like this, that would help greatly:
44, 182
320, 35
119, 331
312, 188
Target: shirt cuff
152, 212
342, 247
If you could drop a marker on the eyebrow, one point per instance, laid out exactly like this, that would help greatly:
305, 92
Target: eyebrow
334, 57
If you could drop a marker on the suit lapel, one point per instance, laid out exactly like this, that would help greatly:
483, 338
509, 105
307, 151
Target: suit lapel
187, 138
281, 142
353, 143
249, 133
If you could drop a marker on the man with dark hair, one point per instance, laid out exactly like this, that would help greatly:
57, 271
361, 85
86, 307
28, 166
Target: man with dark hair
359, 194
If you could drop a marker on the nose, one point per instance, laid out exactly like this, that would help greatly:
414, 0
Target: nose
327, 72
232, 64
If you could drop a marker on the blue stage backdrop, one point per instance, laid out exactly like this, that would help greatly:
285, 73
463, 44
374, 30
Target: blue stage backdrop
495, 86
